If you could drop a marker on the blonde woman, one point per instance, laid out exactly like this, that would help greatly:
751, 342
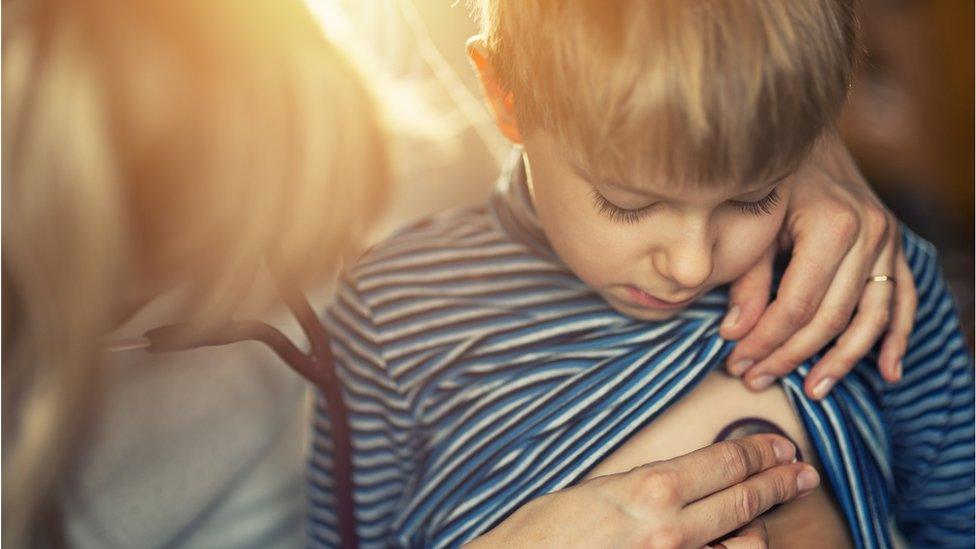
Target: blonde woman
160, 148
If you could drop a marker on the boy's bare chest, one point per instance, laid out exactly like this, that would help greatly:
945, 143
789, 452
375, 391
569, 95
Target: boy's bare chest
696, 420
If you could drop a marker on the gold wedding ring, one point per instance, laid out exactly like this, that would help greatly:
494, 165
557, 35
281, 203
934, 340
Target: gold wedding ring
881, 278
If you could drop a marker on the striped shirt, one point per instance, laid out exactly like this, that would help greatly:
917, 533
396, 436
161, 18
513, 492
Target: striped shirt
480, 374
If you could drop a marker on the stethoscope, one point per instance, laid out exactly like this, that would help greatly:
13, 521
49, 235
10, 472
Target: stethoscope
317, 366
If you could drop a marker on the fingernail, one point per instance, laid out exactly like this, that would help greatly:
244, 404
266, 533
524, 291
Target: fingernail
899, 369
785, 452
732, 317
807, 480
823, 387
740, 367
761, 382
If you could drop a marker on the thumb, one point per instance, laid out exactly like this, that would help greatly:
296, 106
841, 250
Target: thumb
748, 297
750, 536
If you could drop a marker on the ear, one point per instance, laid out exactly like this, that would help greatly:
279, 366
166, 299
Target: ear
500, 101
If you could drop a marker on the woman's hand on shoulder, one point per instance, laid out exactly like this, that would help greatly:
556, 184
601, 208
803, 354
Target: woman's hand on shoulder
841, 236
710, 496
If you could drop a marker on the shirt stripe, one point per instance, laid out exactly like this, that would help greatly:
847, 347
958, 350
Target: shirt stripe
479, 374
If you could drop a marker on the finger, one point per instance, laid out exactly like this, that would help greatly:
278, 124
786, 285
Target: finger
874, 254
902, 321
748, 297
723, 464
736, 506
830, 320
807, 278
870, 323
853, 345
751, 536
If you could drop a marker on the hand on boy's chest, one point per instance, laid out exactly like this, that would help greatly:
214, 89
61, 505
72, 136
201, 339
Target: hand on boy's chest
537, 418
694, 422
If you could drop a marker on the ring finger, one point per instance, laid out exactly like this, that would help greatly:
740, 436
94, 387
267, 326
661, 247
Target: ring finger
870, 323
832, 318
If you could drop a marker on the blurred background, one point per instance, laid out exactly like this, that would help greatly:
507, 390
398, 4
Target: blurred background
909, 122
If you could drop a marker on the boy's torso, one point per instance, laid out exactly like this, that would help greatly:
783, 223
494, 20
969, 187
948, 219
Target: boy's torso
814, 520
523, 381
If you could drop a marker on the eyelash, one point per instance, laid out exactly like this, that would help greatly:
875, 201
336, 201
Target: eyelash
763, 206
616, 213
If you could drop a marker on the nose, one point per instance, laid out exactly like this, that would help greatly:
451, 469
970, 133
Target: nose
687, 259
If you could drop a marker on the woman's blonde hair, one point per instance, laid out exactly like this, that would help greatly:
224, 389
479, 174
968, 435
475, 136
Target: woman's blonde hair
174, 142
703, 91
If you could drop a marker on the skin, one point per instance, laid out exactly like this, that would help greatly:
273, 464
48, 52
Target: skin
673, 244
838, 233
686, 501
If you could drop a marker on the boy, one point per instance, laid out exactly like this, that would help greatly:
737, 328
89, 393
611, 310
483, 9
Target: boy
570, 329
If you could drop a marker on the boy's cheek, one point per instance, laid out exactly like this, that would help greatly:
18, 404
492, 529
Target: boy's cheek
742, 249
599, 254
595, 253
580, 234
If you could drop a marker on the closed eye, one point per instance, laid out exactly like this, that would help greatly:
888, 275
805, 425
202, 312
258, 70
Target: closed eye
616, 213
763, 206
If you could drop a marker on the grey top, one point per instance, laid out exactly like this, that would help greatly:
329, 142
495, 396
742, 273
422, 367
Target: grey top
201, 448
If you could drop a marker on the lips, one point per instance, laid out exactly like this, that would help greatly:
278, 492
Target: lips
647, 300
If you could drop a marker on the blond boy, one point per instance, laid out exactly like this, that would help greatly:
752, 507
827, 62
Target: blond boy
570, 329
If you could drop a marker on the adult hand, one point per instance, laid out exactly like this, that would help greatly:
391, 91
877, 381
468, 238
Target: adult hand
688, 501
750, 536
840, 234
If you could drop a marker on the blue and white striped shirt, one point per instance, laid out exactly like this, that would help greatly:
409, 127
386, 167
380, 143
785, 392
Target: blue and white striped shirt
480, 374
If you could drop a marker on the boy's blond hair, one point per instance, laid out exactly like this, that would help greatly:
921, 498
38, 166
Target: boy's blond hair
691, 91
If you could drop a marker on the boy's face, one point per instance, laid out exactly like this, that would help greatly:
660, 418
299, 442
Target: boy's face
647, 247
